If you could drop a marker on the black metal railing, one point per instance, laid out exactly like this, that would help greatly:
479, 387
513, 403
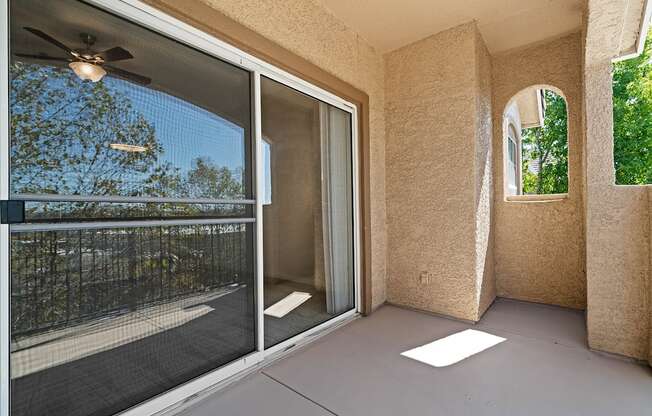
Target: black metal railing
59, 278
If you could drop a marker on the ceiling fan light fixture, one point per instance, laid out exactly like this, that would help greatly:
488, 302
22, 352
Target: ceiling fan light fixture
87, 71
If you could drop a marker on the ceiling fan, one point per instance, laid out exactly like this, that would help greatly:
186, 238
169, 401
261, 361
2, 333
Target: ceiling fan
85, 62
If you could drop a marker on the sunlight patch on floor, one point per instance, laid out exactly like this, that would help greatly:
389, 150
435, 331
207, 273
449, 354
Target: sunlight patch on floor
453, 348
287, 304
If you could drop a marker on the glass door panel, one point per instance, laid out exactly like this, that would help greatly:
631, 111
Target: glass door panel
134, 270
307, 212
107, 318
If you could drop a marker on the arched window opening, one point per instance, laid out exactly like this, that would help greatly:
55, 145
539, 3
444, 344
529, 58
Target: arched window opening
536, 143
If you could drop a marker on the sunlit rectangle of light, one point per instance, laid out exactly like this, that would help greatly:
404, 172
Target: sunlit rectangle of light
453, 348
287, 304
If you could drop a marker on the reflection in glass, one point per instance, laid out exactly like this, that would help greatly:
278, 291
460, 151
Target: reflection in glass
37, 211
104, 319
121, 139
183, 135
307, 216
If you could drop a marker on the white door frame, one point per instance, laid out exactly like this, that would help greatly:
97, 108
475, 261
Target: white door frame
4, 195
154, 19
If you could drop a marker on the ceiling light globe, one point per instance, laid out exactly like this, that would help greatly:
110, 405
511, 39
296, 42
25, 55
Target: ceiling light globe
87, 71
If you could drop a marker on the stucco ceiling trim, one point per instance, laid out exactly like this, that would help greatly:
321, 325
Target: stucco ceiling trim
616, 29
389, 25
635, 28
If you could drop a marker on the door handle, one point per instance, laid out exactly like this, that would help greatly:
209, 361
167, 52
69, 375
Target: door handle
12, 211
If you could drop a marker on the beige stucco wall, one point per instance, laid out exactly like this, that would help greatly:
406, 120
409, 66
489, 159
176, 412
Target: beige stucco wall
618, 217
649, 274
484, 231
307, 29
440, 225
618, 236
438, 197
539, 246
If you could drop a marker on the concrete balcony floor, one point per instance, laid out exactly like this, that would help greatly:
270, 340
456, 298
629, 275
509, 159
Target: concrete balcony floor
543, 368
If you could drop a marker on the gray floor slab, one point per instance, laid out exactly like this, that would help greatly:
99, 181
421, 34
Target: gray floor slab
543, 368
546, 322
255, 395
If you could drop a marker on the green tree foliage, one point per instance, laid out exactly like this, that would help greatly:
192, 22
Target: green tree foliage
547, 148
61, 131
632, 110
208, 180
61, 135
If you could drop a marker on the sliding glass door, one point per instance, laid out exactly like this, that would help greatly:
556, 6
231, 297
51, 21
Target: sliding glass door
173, 210
133, 270
307, 211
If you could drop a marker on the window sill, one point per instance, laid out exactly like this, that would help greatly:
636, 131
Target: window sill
536, 198
638, 185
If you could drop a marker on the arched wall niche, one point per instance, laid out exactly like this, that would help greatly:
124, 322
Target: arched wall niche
539, 244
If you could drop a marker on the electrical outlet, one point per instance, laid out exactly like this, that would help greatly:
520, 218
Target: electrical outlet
426, 278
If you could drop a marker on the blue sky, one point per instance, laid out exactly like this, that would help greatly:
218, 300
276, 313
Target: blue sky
188, 131
185, 130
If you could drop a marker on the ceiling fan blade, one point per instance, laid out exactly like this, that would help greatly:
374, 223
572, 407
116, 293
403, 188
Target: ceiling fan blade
42, 57
48, 38
140, 79
115, 54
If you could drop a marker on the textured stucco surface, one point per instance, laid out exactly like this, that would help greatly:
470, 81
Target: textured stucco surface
438, 193
504, 24
484, 233
649, 274
617, 235
618, 217
539, 246
307, 29
611, 28
433, 232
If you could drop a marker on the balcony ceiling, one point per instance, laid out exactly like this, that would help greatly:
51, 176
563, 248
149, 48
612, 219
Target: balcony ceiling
504, 24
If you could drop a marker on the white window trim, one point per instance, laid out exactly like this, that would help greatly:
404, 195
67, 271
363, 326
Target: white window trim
507, 125
156, 20
512, 142
4, 195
